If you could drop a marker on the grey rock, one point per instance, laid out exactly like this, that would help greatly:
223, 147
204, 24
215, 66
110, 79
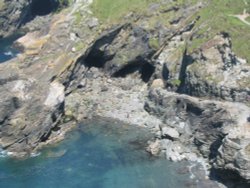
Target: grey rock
170, 133
215, 128
56, 95
93, 22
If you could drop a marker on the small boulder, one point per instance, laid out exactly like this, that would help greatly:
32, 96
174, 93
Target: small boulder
157, 83
93, 23
171, 133
154, 147
56, 95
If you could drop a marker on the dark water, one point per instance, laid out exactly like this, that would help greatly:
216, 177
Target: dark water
7, 52
94, 156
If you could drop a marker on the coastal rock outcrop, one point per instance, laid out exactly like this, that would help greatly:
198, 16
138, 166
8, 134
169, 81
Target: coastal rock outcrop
74, 66
218, 130
217, 72
16, 13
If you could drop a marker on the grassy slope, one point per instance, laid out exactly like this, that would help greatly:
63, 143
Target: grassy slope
110, 11
215, 17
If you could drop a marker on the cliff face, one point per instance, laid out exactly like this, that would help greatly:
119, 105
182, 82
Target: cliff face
12, 14
155, 67
15, 14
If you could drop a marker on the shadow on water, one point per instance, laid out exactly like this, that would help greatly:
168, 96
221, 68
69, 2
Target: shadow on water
100, 154
7, 51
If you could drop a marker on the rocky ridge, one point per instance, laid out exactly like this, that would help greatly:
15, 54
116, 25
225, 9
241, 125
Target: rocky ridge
70, 70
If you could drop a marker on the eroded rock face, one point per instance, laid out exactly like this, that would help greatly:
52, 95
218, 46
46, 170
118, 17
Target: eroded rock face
11, 15
122, 51
69, 72
217, 72
16, 13
218, 130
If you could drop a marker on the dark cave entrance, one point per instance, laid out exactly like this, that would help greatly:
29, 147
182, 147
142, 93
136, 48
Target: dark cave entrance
95, 59
43, 7
99, 59
145, 69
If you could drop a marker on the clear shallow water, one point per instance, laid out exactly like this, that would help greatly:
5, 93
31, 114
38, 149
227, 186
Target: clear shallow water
6, 50
94, 156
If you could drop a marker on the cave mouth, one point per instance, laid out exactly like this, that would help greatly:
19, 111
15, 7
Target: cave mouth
145, 69
43, 7
95, 59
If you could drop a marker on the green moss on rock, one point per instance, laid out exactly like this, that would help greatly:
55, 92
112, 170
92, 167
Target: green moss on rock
154, 43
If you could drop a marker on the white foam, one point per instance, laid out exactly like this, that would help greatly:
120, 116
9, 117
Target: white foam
35, 154
9, 53
3, 153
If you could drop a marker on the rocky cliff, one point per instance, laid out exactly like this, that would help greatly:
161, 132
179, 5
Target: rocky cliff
160, 67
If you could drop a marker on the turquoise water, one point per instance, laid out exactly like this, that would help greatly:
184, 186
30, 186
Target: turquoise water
7, 52
94, 156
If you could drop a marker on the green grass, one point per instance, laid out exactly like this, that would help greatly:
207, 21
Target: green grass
217, 17
112, 11
154, 43
175, 82
248, 19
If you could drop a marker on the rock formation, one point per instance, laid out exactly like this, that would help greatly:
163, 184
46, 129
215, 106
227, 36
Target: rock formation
142, 70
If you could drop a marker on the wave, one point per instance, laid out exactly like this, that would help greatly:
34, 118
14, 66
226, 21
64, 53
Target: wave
3, 153
9, 53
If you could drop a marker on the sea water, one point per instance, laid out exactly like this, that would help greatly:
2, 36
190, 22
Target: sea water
99, 154
7, 52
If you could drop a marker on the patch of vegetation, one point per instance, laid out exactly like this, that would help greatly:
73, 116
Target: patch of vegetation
154, 43
215, 17
248, 19
78, 17
218, 17
79, 46
112, 11
175, 82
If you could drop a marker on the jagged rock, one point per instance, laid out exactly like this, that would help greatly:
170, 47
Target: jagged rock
173, 150
56, 95
31, 43
217, 72
122, 51
154, 147
11, 15
110, 75
16, 13
93, 22
170, 133
218, 130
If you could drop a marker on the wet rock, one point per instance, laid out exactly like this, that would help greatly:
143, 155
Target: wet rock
154, 147
173, 150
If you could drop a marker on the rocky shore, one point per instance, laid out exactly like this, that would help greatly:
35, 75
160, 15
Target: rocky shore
141, 71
